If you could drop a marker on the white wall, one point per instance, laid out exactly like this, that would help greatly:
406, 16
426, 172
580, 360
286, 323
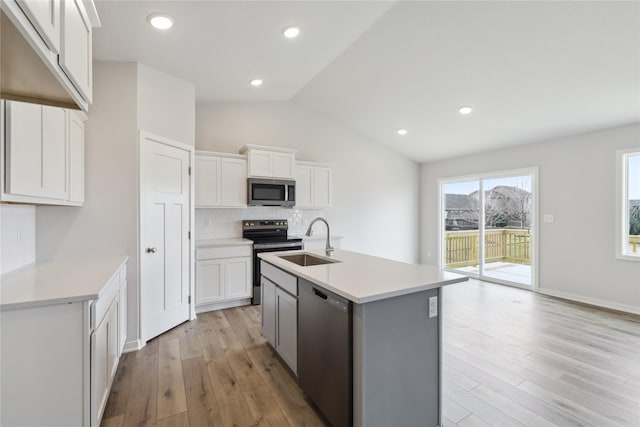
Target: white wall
375, 191
17, 236
576, 185
166, 105
126, 97
107, 224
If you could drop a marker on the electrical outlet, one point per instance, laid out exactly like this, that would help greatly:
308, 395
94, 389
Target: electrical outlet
433, 307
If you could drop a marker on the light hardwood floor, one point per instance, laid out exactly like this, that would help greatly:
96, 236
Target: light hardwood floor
511, 358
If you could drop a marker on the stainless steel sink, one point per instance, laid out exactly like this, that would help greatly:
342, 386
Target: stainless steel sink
306, 260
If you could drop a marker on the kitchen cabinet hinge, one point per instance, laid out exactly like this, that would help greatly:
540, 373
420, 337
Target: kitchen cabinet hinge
189, 235
189, 170
189, 299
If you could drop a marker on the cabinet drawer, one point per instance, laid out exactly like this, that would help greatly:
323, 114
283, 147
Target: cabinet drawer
223, 252
284, 280
101, 306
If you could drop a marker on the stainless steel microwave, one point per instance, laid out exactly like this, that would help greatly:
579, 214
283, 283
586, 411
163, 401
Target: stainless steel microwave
271, 192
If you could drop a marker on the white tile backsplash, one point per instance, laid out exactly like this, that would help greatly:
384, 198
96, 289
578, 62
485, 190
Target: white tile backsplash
17, 236
227, 223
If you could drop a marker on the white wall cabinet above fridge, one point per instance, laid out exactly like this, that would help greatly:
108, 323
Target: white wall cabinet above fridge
313, 185
48, 50
42, 156
220, 180
270, 162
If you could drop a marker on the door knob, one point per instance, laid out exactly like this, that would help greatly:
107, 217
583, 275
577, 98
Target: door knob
152, 250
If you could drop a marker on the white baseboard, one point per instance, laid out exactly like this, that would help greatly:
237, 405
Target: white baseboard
134, 345
222, 305
591, 301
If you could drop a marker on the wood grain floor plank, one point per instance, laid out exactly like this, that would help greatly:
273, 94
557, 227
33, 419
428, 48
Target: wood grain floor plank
235, 411
567, 404
116, 421
249, 336
473, 421
244, 369
178, 420
548, 411
119, 395
143, 395
452, 411
171, 394
284, 388
190, 346
201, 397
222, 377
264, 407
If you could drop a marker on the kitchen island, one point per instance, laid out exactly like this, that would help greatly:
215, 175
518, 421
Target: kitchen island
394, 332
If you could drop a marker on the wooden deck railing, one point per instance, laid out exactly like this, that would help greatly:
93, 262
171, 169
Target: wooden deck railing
508, 245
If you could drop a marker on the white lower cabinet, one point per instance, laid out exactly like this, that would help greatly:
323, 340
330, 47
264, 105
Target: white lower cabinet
59, 359
223, 276
280, 313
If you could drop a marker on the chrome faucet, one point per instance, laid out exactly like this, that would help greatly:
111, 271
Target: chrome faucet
328, 249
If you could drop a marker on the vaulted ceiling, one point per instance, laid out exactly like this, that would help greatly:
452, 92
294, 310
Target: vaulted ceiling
530, 70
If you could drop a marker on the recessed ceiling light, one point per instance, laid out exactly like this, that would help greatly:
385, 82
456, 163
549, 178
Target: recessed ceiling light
160, 21
465, 109
291, 32
401, 131
256, 82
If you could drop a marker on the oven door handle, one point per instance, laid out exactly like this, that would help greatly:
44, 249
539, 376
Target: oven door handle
277, 245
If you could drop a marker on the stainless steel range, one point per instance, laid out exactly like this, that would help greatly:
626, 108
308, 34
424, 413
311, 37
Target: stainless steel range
268, 236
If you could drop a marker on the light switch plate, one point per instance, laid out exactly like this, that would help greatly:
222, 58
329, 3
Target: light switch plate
548, 218
433, 307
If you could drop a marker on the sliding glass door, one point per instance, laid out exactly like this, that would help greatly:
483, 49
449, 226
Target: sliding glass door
487, 226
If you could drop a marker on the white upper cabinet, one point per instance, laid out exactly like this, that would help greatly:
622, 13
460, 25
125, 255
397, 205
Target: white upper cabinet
220, 180
57, 35
45, 17
54, 158
207, 180
36, 151
313, 186
76, 57
75, 137
233, 182
44, 160
270, 162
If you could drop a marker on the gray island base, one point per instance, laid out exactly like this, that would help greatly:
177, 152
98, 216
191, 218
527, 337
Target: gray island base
395, 337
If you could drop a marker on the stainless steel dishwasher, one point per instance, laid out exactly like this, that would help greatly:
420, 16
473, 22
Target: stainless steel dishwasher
325, 352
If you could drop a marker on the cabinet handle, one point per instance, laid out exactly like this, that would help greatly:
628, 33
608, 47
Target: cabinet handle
152, 250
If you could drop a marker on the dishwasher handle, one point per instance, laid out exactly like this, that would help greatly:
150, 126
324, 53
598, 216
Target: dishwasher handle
319, 294
334, 301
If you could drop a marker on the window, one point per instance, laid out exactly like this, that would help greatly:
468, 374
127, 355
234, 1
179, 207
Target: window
628, 206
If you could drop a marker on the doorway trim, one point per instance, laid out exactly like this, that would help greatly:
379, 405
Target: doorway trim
480, 176
143, 135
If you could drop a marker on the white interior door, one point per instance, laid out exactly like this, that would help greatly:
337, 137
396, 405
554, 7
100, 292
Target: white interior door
164, 243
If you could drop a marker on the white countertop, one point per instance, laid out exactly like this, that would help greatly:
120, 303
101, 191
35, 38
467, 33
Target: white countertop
363, 278
58, 282
213, 243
